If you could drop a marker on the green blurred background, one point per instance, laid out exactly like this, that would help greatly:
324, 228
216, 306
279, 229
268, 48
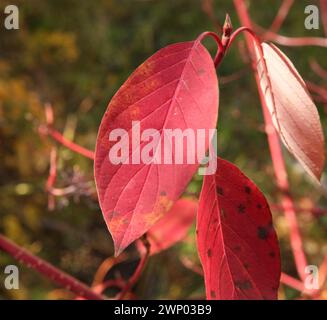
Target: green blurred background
75, 54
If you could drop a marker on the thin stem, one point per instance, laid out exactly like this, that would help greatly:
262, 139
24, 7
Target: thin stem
295, 41
318, 69
281, 15
292, 282
56, 135
52, 178
140, 267
275, 151
48, 270
323, 10
105, 267
218, 41
314, 211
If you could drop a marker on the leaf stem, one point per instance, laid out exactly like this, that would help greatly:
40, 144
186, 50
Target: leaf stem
140, 267
221, 50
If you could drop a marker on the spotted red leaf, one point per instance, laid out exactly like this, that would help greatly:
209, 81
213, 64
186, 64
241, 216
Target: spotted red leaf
173, 227
237, 244
293, 112
176, 88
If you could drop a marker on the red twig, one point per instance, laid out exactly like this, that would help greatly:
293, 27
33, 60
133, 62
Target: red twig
52, 178
298, 285
318, 69
56, 135
295, 41
218, 41
272, 35
140, 267
323, 10
277, 158
292, 282
105, 266
49, 117
314, 211
322, 92
281, 15
117, 283
189, 264
48, 270
53, 169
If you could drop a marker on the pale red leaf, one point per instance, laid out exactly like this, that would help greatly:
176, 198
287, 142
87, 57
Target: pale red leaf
173, 227
177, 87
293, 112
237, 244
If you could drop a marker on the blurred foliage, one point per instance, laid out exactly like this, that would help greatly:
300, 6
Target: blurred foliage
76, 54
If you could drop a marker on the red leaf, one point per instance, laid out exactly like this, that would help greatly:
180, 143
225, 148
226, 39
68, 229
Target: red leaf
237, 244
173, 227
177, 87
293, 112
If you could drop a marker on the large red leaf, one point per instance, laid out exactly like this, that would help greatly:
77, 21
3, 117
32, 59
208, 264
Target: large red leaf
177, 87
237, 244
293, 112
173, 227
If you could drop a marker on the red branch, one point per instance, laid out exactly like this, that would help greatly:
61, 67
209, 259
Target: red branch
140, 267
317, 212
281, 15
56, 135
318, 69
52, 178
272, 35
48, 270
277, 158
296, 41
323, 10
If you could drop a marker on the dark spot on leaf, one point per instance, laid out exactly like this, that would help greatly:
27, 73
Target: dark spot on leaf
213, 294
241, 208
223, 213
259, 206
215, 220
243, 285
272, 254
163, 193
247, 189
246, 266
209, 253
201, 71
262, 233
237, 248
220, 191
